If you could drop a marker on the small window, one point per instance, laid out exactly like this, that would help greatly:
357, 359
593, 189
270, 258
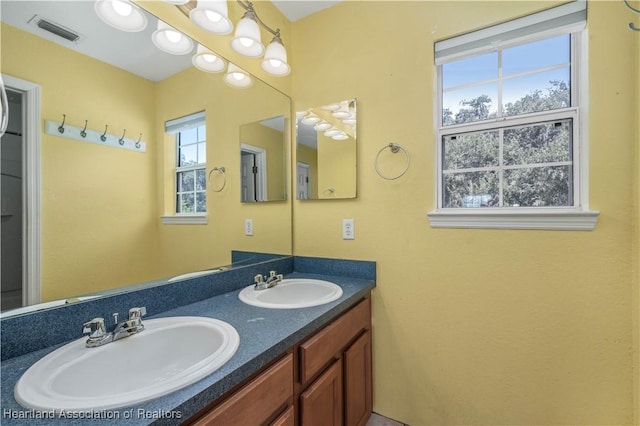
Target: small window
191, 194
509, 118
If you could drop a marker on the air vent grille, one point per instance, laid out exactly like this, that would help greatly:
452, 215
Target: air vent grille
56, 29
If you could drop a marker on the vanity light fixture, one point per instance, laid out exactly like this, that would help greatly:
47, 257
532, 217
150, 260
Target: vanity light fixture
332, 132
349, 121
275, 58
237, 77
331, 107
341, 136
246, 40
322, 126
311, 119
121, 14
177, 1
212, 15
170, 40
205, 60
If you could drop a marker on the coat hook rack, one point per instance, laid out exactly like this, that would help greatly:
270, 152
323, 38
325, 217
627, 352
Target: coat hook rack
84, 134
632, 26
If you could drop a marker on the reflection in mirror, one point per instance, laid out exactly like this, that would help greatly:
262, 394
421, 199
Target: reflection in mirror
107, 214
326, 152
263, 167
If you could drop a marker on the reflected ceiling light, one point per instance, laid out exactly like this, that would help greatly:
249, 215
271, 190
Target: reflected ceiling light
246, 40
322, 126
349, 121
311, 119
205, 60
332, 132
177, 1
170, 40
341, 136
121, 14
275, 58
237, 77
300, 114
331, 107
212, 15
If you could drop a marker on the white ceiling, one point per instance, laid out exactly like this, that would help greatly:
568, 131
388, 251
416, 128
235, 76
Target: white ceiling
298, 9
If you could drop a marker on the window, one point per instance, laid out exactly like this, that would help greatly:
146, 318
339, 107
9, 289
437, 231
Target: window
189, 187
509, 123
191, 195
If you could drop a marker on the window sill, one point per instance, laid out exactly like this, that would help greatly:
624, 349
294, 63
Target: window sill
185, 219
552, 219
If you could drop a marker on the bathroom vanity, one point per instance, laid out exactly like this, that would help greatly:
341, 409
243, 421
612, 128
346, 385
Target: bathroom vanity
303, 366
324, 380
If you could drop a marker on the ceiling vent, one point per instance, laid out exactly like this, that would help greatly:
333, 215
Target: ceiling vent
54, 28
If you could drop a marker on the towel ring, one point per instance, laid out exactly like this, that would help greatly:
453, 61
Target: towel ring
224, 182
395, 148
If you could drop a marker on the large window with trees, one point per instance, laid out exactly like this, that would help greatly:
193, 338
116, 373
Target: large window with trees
509, 105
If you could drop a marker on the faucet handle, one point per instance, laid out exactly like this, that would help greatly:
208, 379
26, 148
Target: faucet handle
258, 279
137, 313
94, 328
272, 274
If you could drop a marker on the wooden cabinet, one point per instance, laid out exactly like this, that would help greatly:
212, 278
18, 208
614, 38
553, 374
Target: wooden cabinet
323, 381
335, 371
259, 402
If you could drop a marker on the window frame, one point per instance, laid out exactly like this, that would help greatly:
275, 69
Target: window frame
190, 168
576, 217
175, 127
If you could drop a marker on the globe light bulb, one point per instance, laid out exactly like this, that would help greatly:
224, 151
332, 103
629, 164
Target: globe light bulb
122, 8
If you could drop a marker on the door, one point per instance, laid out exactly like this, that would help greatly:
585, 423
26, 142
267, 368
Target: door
11, 188
302, 181
248, 173
321, 403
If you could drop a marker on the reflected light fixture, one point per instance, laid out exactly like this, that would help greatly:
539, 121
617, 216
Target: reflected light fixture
341, 136
349, 121
332, 132
170, 40
311, 119
246, 40
205, 60
322, 126
177, 1
237, 77
212, 15
121, 14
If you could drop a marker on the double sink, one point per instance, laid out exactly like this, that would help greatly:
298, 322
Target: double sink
170, 354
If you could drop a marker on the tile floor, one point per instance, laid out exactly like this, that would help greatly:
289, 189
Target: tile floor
378, 420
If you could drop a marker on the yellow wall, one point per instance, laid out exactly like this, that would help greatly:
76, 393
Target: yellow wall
89, 242
336, 167
477, 326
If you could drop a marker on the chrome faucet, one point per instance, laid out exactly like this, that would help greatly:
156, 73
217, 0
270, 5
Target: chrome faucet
98, 335
271, 281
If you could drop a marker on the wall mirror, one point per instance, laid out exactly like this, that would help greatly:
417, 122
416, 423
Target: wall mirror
263, 167
107, 214
326, 152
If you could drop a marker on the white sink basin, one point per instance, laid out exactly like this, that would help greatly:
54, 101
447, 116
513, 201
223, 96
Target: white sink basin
292, 293
168, 355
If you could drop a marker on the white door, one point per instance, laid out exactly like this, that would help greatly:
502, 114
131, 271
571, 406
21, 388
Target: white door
302, 181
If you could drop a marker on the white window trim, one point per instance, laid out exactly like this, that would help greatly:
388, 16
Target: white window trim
185, 219
579, 217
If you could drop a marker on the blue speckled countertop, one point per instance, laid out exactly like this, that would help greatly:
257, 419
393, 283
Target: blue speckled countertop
264, 335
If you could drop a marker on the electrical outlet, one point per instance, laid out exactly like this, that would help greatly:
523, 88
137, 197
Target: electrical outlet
348, 229
248, 227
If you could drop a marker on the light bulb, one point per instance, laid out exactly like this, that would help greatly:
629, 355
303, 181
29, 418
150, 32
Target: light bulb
173, 36
121, 8
246, 42
238, 76
275, 63
212, 16
209, 58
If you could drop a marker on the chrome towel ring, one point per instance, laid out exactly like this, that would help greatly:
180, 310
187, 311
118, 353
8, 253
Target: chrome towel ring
224, 177
395, 148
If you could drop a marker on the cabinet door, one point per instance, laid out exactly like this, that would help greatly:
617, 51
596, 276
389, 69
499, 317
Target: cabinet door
357, 386
285, 419
321, 403
259, 401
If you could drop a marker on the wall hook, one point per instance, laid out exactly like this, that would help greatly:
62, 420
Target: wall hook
121, 140
83, 132
61, 126
103, 137
138, 141
634, 10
